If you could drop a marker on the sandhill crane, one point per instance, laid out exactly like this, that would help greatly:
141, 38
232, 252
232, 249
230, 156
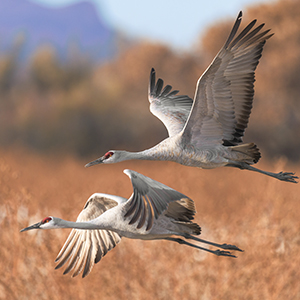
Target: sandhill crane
154, 211
207, 132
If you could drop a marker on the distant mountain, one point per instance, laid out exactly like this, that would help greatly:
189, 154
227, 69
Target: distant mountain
76, 26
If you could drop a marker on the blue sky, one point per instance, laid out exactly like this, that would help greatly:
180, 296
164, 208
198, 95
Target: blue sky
176, 23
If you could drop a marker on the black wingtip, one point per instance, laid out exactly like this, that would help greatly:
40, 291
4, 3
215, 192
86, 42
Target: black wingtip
234, 29
151, 82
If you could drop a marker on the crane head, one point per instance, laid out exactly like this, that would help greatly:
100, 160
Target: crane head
110, 157
46, 223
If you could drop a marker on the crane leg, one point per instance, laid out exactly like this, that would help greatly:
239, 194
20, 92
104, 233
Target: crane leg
284, 176
215, 252
222, 246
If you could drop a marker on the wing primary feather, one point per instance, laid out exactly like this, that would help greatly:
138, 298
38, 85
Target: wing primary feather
74, 257
152, 81
99, 253
82, 254
155, 200
104, 246
132, 204
173, 93
143, 215
243, 33
77, 255
234, 29
138, 208
89, 261
159, 86
111, 240
249, 36
68, 251
160, 204
70, 239
155, 210
258, 37
150, 212
166, 90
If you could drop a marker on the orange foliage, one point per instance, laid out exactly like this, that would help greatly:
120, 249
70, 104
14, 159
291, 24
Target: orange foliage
255, 212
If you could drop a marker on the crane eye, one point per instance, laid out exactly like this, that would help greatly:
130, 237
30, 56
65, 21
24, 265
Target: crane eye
46, 220
108, 154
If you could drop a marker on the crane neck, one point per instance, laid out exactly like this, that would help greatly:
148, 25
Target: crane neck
89, 225
158, 152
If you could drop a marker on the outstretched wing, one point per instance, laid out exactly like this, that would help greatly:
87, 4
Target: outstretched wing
84, 248
151, 198
172, 109
224, 93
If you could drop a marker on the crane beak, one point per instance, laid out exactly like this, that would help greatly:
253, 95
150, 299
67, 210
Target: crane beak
95, 162
34, 226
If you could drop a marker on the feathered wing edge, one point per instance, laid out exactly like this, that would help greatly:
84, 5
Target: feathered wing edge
151, 198
172, 109
224, 93
248, 46
84, 248
182, 212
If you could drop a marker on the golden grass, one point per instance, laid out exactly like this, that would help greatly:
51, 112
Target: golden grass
258, 214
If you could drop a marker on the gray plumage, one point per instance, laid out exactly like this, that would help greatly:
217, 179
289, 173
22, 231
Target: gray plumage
207, 132
154, 211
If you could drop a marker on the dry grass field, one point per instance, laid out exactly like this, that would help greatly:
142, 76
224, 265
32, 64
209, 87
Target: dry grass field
258, 214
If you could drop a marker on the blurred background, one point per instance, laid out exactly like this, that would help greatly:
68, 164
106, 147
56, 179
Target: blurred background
74, 74
73, 84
